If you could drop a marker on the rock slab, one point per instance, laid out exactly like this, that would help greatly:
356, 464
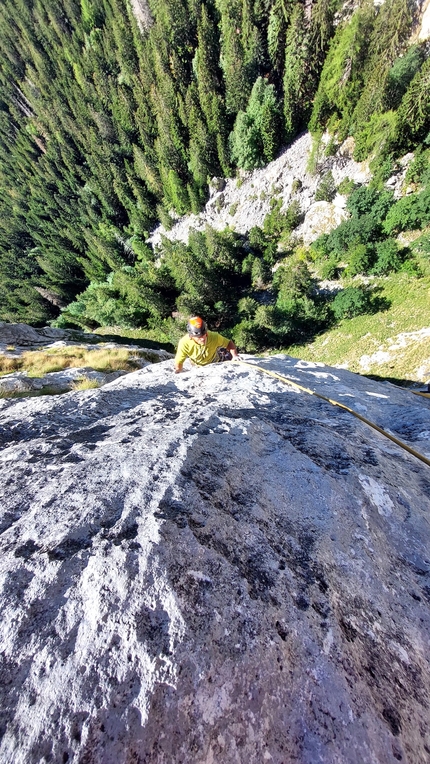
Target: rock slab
215, 567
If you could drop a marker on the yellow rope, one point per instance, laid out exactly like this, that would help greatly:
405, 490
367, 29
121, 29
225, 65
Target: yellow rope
342, 406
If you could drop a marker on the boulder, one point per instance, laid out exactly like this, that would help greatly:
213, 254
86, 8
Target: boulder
216, 566
322, 217
24, 335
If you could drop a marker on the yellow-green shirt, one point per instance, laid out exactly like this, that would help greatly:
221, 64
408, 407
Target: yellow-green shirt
200, 354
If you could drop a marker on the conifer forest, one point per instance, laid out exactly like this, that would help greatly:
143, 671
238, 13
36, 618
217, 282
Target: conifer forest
114, 114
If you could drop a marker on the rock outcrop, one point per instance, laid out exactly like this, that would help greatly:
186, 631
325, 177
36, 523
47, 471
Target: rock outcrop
25, 336
216, 567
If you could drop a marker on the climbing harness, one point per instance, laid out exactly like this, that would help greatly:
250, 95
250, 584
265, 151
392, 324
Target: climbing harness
287, 381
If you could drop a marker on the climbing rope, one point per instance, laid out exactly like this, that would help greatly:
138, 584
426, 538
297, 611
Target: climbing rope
287, 381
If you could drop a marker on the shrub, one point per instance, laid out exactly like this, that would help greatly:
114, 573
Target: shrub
277, 223
419, 169
329, 269
84, 383
382, 169
350, 233
331, 148
320, 247
326, 189
388, 258
409, 213
346, 186
233, 209
422, 245
366, 200
360, 259
352, 301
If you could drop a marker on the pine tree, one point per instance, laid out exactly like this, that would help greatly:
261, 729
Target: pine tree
297, 82
239, 52
209, 79
413, 119
257, 132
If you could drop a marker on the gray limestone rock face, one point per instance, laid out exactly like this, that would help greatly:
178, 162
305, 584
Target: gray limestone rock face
25, 335
216, 567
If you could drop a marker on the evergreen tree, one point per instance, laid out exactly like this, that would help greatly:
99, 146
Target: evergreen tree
297, 83
342, 75
240, 44
390, 30
257, 132
413, 119
209, 78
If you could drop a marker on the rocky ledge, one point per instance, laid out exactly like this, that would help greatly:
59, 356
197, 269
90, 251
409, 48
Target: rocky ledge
15, 339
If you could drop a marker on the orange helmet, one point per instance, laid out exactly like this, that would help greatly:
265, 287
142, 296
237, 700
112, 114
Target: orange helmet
196, 327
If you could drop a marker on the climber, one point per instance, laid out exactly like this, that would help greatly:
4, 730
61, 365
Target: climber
202, 346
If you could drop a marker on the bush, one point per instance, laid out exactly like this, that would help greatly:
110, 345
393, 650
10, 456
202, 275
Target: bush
422, 245
329, 269
419, 169
346, 186
350, 233
388, 258
352, 301
366, 200
326, 189
360, 259
409, 213
320, 247
277, 223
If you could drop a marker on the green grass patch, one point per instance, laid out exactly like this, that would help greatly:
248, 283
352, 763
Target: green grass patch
40, 362
85, 384
409, 311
